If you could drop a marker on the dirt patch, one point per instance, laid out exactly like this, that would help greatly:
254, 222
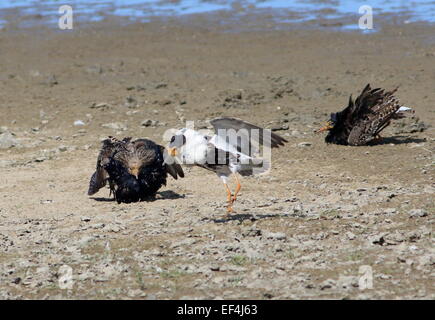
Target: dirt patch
303, 231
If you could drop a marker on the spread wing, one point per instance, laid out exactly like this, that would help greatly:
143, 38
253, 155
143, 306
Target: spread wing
374, 109
255, 136
100, 176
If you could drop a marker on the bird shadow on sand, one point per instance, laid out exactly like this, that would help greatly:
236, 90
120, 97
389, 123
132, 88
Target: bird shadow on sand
397, 140
163, 195
246, 216
170, 195
101, 199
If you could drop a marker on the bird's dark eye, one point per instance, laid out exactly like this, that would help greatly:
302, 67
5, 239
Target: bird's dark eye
178, 141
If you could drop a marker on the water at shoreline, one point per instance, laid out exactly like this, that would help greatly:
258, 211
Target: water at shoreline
341, 13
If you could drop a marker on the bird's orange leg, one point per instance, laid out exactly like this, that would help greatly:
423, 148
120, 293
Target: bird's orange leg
230, 202
238, 187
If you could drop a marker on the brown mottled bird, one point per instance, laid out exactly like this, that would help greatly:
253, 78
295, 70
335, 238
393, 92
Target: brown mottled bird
363, 120
135, 170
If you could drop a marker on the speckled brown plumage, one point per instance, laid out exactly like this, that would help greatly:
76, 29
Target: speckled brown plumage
363, 119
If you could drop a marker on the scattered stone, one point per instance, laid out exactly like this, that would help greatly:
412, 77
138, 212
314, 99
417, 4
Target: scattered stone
350, 235
112, 228
239, 98
136, 293
296, 133
280, 127
115, 126
79, 123
101, 106
304, 144
62, 148
95, 69
149, 123
8, 140
251, 232
160, 85
163, 102
214, 268
52, 80
130, 102
347, 282
138, 87
131, 112
377, 239
276, 235
327, 284
85, 240
417, 213
34, 73
40, 159
98, 226
390, 211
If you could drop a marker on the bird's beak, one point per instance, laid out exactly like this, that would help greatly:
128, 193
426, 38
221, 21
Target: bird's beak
328, 126
135, 171
172, 151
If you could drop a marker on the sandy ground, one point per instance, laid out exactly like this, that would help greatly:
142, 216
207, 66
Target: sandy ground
302, 231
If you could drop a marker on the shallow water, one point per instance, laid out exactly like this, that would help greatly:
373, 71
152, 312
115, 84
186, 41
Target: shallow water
283, 11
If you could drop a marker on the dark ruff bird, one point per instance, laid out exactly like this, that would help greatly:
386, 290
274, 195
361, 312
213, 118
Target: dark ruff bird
135, 170
362, 120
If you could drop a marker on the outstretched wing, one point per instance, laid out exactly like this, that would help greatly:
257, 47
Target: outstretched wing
254, 135
374, 109
100, 176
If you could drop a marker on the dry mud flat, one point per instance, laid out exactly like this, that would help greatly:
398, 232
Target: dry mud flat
302, 231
